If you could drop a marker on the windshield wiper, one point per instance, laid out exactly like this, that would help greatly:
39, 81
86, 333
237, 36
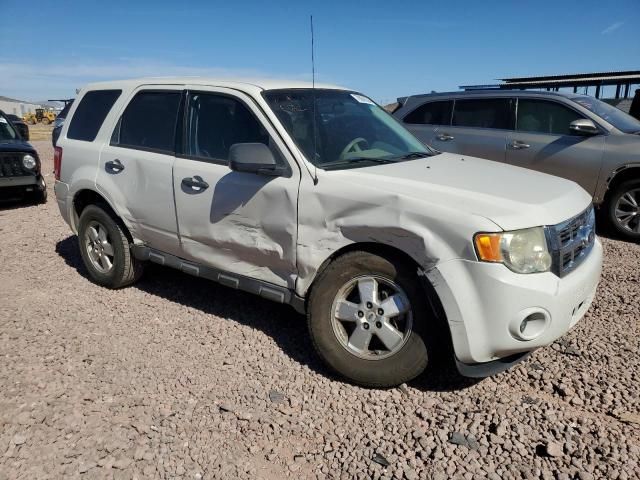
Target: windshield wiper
351, 161
412, 155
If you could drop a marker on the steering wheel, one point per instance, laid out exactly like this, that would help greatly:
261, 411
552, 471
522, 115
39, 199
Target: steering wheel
354, 145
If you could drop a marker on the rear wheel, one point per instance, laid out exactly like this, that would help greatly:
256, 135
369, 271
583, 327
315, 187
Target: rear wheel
370, 321
624, 209
105, 251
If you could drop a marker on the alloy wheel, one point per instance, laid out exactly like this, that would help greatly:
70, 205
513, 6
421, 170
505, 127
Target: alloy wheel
98, 247
372, 317
627, 210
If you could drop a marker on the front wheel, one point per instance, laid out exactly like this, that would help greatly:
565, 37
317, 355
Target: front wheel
624, 209
369, 320
104, 248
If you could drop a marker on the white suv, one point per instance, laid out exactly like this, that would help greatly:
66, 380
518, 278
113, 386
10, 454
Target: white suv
319, 199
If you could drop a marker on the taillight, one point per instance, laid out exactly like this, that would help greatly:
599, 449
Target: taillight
57, 161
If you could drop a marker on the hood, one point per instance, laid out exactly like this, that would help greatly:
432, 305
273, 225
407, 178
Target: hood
511, 197
16, 146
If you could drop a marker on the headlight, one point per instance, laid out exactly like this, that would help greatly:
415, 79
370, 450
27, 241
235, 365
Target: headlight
29, 162
523, 251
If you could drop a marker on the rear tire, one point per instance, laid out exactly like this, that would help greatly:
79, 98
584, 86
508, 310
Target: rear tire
340, 292
623, 209
105, 251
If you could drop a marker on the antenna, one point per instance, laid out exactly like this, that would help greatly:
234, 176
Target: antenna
313, 99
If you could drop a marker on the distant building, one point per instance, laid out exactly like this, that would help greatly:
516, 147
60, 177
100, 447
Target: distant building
17, 107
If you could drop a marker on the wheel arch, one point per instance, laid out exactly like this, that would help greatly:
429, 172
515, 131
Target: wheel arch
85, 197
390, 253
618, 176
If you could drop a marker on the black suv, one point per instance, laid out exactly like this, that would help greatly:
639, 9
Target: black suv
19, 165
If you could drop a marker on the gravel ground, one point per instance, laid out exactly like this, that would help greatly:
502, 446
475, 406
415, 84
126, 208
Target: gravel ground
178, 377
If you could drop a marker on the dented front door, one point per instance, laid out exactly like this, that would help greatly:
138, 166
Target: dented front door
237, 222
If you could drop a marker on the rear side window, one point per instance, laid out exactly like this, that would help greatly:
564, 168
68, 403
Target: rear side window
431, 113
483, 113
149, 122
90, 114
541, 116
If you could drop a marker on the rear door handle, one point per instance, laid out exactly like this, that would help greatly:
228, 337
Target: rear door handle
445, 137
114, 166
195, 183
518, 145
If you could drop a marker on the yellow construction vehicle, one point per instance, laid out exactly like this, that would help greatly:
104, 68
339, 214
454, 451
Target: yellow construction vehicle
42, 115
30, 118
45, 116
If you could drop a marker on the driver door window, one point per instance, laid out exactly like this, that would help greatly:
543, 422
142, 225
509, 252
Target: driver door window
215, 122
541, 116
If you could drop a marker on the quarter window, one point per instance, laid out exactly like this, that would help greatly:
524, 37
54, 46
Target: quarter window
431, 113
483, 113
541, 116
215, 122
91, 112
149, 122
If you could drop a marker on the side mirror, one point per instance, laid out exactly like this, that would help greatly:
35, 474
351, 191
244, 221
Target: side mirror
23, 130
583, 126
254, 158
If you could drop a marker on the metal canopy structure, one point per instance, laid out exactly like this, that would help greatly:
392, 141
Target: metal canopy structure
621, 80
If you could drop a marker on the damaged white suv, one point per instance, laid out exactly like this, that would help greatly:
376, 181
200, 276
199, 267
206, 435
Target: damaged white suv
318, 198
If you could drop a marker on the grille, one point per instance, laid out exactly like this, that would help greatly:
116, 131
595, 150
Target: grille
11, 165
570, 242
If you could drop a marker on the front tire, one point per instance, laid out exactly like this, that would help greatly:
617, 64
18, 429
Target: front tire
370, 321
105, 251
624, 209
39, 197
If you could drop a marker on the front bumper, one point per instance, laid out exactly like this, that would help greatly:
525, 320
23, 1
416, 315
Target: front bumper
486, 303
18, 185
23, 181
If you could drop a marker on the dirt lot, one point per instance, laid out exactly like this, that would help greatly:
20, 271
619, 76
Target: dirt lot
178, 377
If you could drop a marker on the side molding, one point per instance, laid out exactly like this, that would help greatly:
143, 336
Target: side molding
257, 287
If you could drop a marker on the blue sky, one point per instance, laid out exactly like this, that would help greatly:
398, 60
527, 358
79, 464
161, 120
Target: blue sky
385, 49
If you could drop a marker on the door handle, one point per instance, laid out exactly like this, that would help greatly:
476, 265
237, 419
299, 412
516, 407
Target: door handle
114, 166
195, 183
445, 137
518, 145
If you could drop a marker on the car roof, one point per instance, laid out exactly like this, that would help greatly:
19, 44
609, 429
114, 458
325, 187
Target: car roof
489, 93
249, 85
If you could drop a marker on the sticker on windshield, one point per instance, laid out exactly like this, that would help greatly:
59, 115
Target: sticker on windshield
362, 99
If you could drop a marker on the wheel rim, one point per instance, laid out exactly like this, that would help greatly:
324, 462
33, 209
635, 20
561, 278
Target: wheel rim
98, 247
372, 317
627, 211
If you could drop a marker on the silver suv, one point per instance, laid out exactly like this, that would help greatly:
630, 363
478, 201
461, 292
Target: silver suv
568, 135
316, 197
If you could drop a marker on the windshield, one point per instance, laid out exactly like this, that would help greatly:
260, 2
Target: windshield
7, 131
611, 114
351, 130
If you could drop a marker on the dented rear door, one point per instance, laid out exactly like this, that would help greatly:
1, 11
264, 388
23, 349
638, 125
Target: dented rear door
238, 222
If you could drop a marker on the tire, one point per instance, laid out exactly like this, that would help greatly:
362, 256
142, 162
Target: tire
622, 214
39, 197
332, 339
45, 121
95, 227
